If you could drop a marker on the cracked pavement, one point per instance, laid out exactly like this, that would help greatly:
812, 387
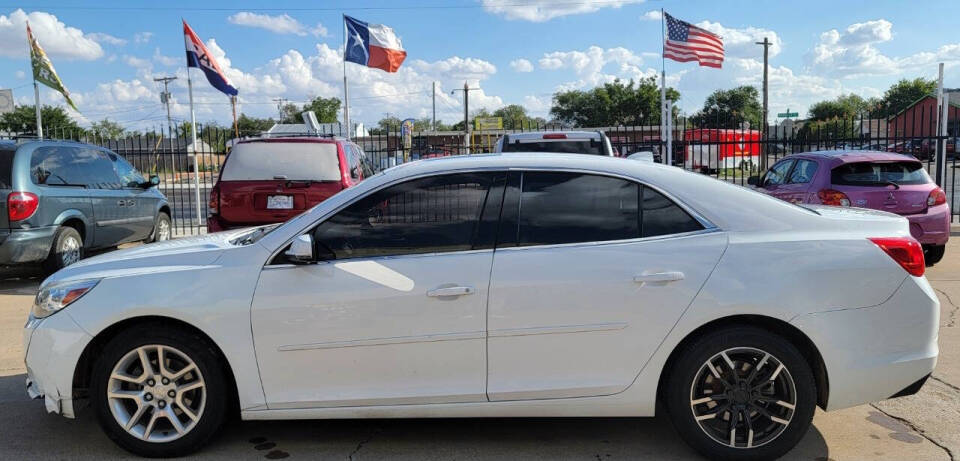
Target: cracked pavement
919, 427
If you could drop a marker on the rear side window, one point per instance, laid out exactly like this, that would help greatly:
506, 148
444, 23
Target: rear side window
72, 166
6, 167
569, 208
303, 161
429, 215
879, 173
568, 146
660, 216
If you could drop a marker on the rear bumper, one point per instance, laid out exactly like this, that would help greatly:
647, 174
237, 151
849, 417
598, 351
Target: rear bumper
875, 353
27, 245
931, 227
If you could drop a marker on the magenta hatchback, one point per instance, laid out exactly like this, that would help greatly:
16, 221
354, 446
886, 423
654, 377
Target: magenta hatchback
883, 181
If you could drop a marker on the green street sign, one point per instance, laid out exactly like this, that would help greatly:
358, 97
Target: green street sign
788, 114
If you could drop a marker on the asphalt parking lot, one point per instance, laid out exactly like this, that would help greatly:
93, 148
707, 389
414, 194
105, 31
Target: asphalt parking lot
920, 427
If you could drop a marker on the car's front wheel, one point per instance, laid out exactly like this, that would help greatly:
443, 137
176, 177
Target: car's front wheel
741, 393
158, 391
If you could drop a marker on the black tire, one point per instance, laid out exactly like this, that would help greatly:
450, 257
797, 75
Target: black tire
679, 394
207, 361
932, 254
58, 258
162, 218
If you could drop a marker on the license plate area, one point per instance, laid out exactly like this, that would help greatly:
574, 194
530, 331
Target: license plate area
280, 202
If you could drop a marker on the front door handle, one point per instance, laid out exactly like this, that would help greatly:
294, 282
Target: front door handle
658, 277
121, 202
450, 291
131, 203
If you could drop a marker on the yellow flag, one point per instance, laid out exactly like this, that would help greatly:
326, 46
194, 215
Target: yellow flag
43, 70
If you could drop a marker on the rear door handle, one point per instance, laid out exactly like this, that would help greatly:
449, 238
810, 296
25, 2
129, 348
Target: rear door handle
450, 291
658, 277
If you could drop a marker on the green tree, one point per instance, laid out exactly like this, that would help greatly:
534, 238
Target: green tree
250, 126
290, 113
844, 106
24, 119
611, 104
902, 94
730, 108
107, 129
184, 129
326, 109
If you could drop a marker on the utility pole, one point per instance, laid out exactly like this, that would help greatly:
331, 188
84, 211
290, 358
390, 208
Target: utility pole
763, 124
434, 125
165, 98
466, 112
280, 103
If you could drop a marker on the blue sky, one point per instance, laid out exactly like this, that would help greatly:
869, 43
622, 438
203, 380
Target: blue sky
517, 51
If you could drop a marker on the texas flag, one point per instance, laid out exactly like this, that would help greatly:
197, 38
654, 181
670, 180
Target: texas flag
198, 56
373, 45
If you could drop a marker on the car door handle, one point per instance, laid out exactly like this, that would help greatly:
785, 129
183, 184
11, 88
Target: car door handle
659, 277
131, 203
450, 291
121, 202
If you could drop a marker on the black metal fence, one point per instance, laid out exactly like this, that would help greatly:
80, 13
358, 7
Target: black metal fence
727, 149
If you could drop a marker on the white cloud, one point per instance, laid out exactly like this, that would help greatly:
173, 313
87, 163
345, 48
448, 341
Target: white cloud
21, 74
167, 61
56, 38
545, 10
137, 63
521, 65
652, 15
101, 37
595, 66
853, 52
142, 37
741, 43
280, 24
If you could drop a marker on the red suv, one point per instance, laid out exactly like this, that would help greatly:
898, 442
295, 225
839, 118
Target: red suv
270, 180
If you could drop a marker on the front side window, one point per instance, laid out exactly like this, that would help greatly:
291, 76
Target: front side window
429, 215
129, 176
571, 207
778, 173
803, 172
72, 166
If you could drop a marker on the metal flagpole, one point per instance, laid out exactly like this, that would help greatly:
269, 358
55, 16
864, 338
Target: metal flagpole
36, 95
346, 95
664, 135
196, 158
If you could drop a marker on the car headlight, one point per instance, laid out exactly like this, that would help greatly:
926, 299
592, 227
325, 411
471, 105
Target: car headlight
55, 297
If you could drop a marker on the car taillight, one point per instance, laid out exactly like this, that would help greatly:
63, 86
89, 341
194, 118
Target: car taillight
214, 205
833, 197
937, 197
906, 251
554, 136
21, 205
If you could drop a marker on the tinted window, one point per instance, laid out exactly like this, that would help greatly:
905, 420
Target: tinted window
258, 161
584, 146
435, 214
129, 176
803, 172
6, 166
570, 208
61, 165
660, 216
778, 173
879, 173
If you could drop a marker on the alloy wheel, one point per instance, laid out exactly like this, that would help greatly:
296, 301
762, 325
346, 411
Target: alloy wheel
156, 393
69, 250
163, 230
743, 397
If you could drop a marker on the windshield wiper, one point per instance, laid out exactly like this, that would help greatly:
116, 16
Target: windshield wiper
891, 183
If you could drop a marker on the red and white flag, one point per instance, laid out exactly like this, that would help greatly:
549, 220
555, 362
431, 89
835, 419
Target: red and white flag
685, 42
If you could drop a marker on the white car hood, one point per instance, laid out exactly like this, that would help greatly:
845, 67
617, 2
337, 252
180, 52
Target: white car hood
179, 254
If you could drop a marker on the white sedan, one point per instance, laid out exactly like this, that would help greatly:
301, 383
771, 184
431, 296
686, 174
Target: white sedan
543, 285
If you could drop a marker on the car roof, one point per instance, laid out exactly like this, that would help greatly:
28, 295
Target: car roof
848, 156
537, 135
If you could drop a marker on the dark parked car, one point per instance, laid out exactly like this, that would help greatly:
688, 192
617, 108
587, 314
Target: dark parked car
64, 198
270, 180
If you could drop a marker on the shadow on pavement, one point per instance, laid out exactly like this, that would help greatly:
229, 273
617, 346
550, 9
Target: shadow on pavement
29, 430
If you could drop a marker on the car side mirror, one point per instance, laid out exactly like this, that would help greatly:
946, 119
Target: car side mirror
753, 180
301, 251
355, 172
154, 181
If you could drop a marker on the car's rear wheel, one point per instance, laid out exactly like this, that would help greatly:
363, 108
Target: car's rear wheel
158, 391
162, 229
741, 393
932, 254
67, 249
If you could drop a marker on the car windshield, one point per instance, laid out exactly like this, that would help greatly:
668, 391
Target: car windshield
569, 146
295, 161
879, 173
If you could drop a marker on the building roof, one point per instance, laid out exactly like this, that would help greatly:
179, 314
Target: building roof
953, 98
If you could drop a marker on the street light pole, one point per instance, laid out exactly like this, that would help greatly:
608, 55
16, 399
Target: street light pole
763, 124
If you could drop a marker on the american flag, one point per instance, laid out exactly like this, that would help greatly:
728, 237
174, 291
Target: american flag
686, 42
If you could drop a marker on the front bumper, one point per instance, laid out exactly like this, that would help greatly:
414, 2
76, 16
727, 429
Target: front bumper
27, 245
931, 227
53, 346
874, 353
